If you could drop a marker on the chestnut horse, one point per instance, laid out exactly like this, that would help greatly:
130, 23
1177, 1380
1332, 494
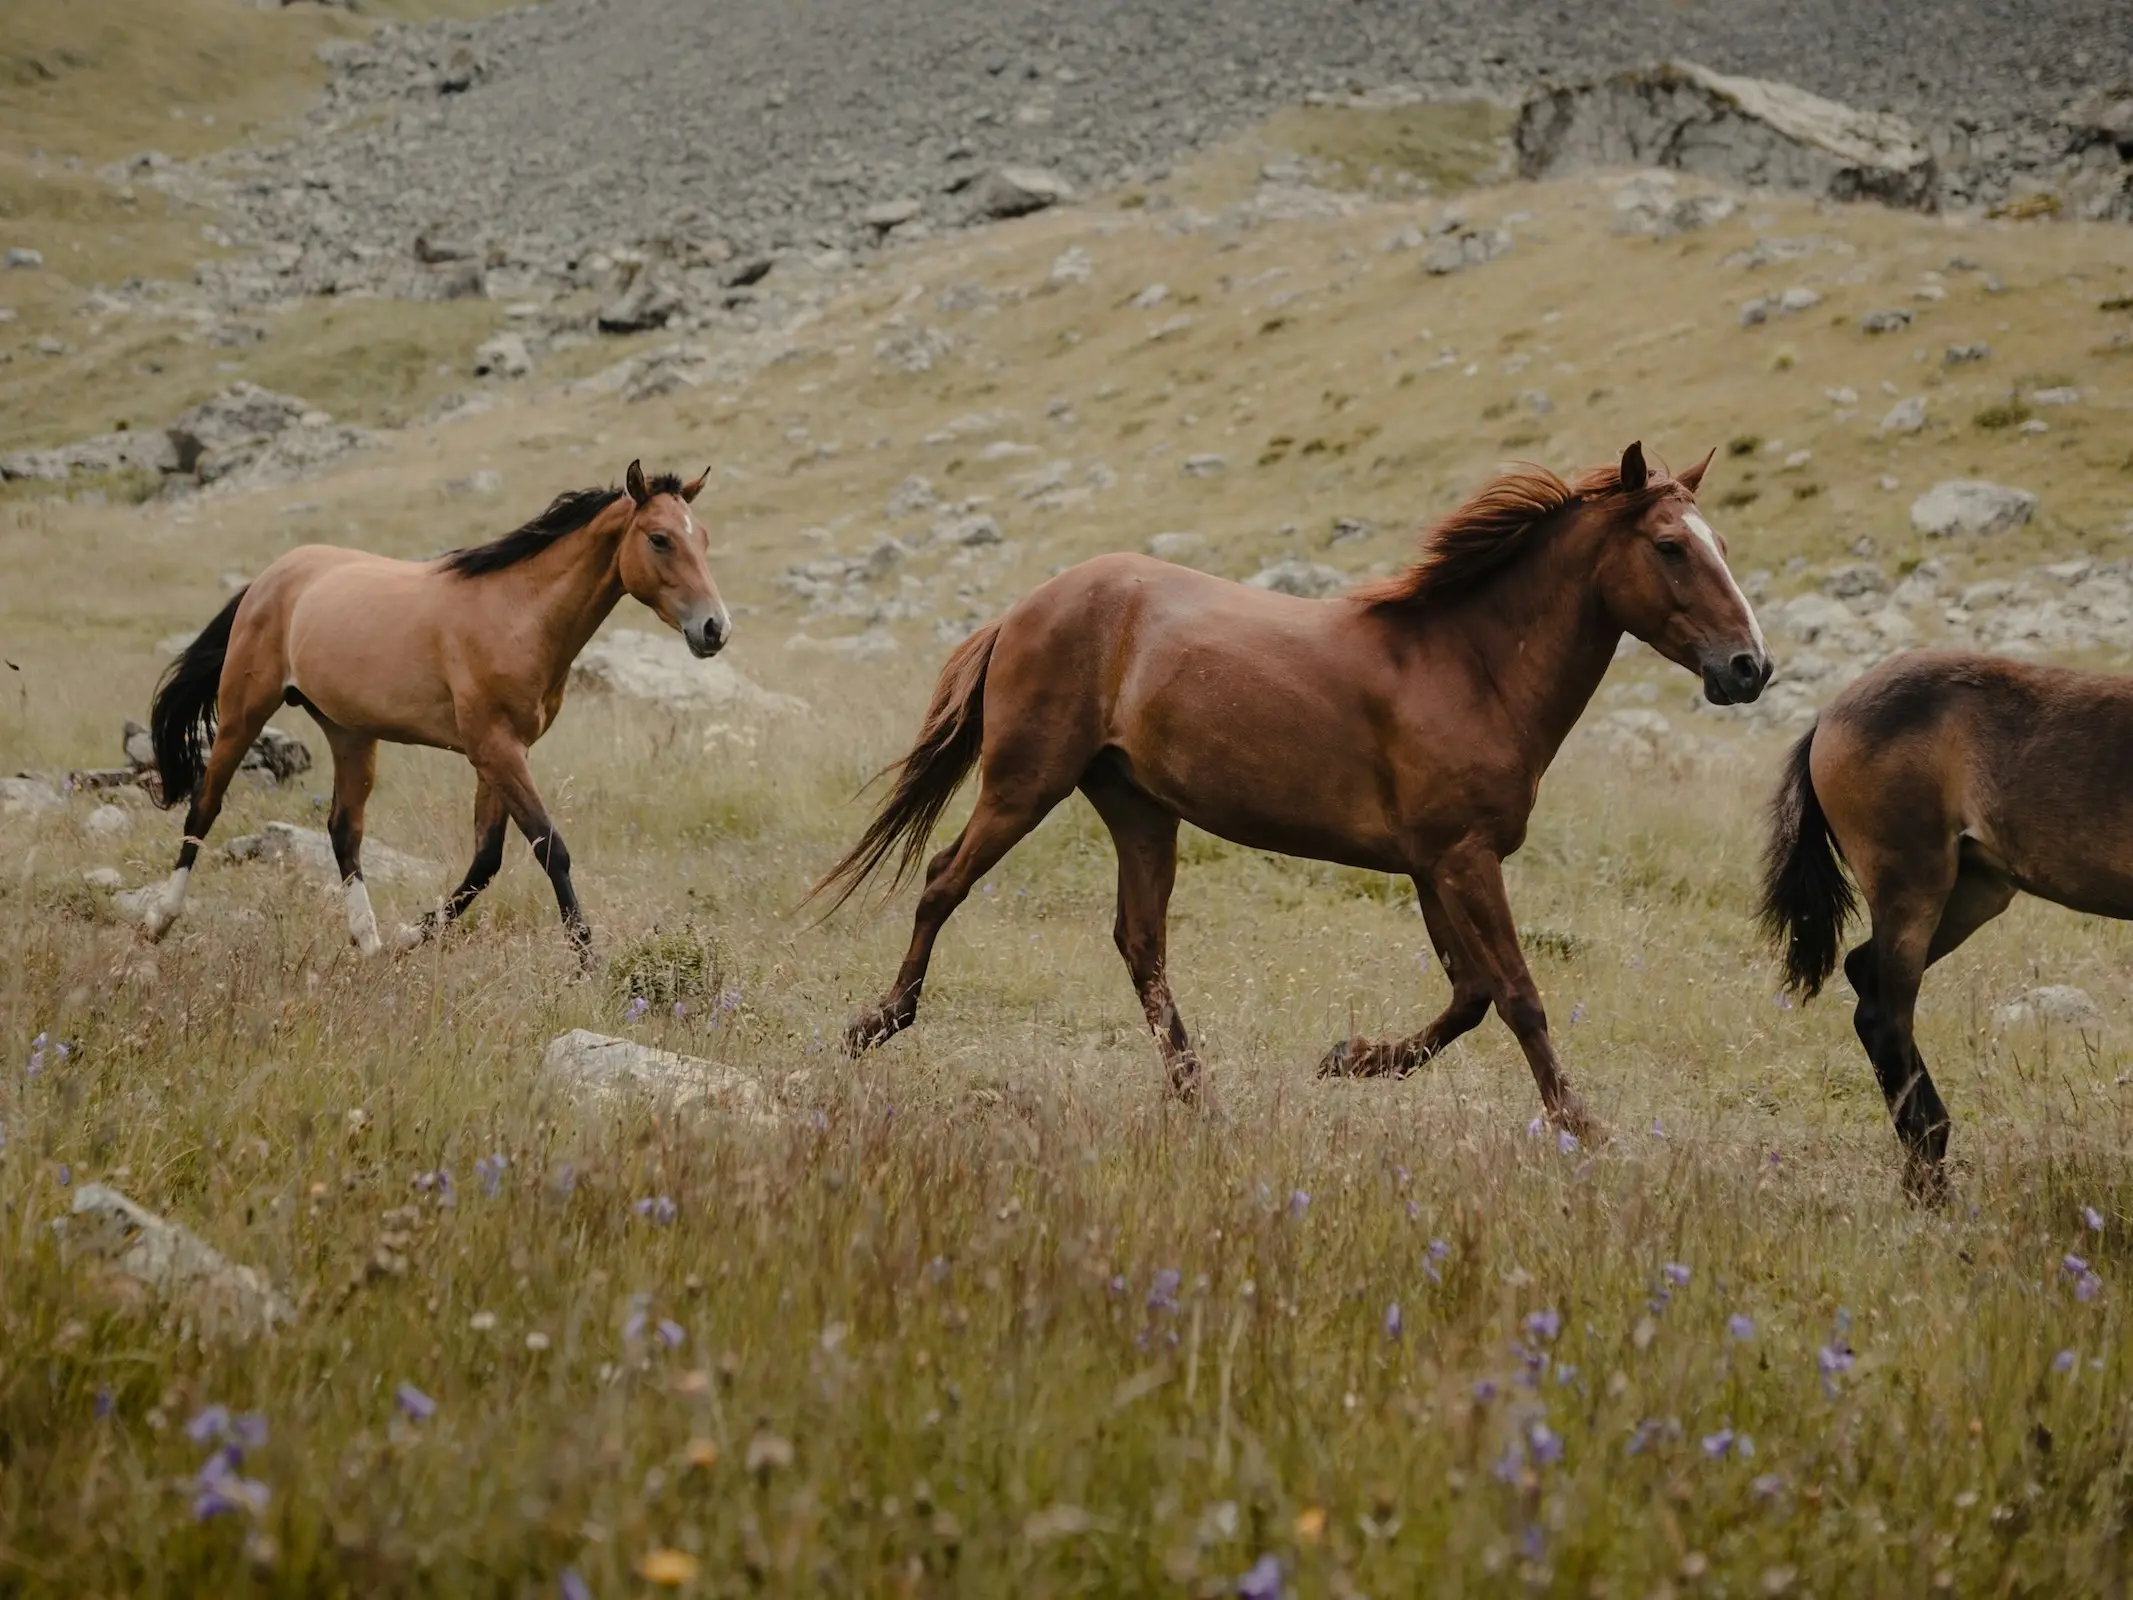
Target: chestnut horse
468, 652
1402, 728
1949, 782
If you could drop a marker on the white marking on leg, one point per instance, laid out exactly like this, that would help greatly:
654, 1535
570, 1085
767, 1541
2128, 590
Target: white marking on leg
163, 912
362, 923
1702, 530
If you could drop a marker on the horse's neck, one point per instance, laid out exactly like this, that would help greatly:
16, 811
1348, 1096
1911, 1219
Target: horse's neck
1543, 640
569, 590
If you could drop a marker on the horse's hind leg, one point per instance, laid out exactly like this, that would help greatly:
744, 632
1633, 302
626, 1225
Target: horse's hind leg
355, 770
238, 725
1002, 817
1372, 1058
1145, 835
489, 824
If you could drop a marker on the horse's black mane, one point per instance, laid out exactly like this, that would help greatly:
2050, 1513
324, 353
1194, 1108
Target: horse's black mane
566, 514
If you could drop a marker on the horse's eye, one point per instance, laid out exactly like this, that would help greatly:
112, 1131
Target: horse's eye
660, 542
1673, 550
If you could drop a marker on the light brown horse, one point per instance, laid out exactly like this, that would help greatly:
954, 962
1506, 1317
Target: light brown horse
1402, 728
1949, 782
468, 652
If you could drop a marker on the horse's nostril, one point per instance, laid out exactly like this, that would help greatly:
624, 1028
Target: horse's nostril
1746, 669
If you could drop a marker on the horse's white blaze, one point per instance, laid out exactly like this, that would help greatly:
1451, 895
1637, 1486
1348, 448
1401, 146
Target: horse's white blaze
1709, 540
362, 922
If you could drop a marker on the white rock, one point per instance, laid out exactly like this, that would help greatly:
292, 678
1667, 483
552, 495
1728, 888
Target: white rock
600, 1070
1186, 549
967, 530
158, 1255
109, 822
311, 853
1970, 505
889, 214
1309, 579
19, 795
1072, 265
659, 668
1204, 466
1151, 297
1807, 617
1017, 191
2061, 396
1905, 416
102, 878
1798, 298
912, 496
504, 356
2053, 1003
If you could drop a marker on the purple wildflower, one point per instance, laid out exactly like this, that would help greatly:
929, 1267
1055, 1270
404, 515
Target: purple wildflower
219, 1488
672, 1334
248, 1431
1718, 1445
681, 1010
106, 1403
1392, 1320
2093, 1218
1163, 1293
1768, 1487
2063, 1361
490, 1169
1510, 1464
635, 1010
640, 1313
658, 1208
1542, 1326
2074, 1265
1438, 1249
1533, 1544
1577, 1013
729, 999
1741, 1326
1263, 1582
1546, 1443
1565, 1375
66, 1174
1565, 1141
1782, 1000
2087, 1286
1676, 1274
419, 1406
209, 1426
1658, 1129
1118, 1280
1645, 1435
1535, 1128
1833, 1360
572, 1587
1485, 1390
1299, 1203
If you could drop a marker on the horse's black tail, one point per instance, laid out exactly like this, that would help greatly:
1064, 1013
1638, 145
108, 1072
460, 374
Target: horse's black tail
181, 718
948, 745
1806, 897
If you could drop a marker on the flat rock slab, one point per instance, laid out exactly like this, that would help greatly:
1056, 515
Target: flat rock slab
153, 1254
643, 666
1971, 505
599, 1069
311, 853
1737, 130
2059, 1003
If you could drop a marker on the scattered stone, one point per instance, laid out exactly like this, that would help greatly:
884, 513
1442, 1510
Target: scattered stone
1016, 192
106, 878
109, 822
648, 303
1205, 466
25, 794
1184, 549
602, 1071
1746, 131
1971, 506
974, 529
1466, 248
914, 350
1890, 319
504, 356
889, 215
2061, 396
150, 1254
311, 853
1958, 355
1648, 204
1859, 579
659, 668
1905, 416
1798, 298
2057, 1003
20, 258
1308, 579
1072, 265
912, 497
485, 482
867, 645
147, 451
1151, 297
233, 429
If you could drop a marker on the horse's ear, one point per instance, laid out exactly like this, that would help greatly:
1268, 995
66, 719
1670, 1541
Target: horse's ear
695, 486
1634, 472
1693, 478
633, 480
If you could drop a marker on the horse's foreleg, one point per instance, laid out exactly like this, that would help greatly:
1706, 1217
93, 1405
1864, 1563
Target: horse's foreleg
994, 827
502, 765
489, 823
239, 726
1469, 885
1374, 1058
1145, 836
355, 770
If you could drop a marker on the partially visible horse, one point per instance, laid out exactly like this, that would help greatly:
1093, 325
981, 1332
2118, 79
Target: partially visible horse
468, 652
1949, 782
1402, 728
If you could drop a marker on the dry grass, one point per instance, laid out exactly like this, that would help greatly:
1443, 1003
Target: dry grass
940, 1280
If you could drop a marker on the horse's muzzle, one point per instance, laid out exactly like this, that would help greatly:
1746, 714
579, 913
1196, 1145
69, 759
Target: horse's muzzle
1737, 680
707, 636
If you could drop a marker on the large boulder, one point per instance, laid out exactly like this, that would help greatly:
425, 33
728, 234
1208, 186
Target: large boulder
232, 429
148, 451
150, 1254
659, 668
1971, 505
1737, 130
1016, 192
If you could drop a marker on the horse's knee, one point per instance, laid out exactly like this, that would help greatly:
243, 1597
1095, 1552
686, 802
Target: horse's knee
1466, 1010
1522, 1009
